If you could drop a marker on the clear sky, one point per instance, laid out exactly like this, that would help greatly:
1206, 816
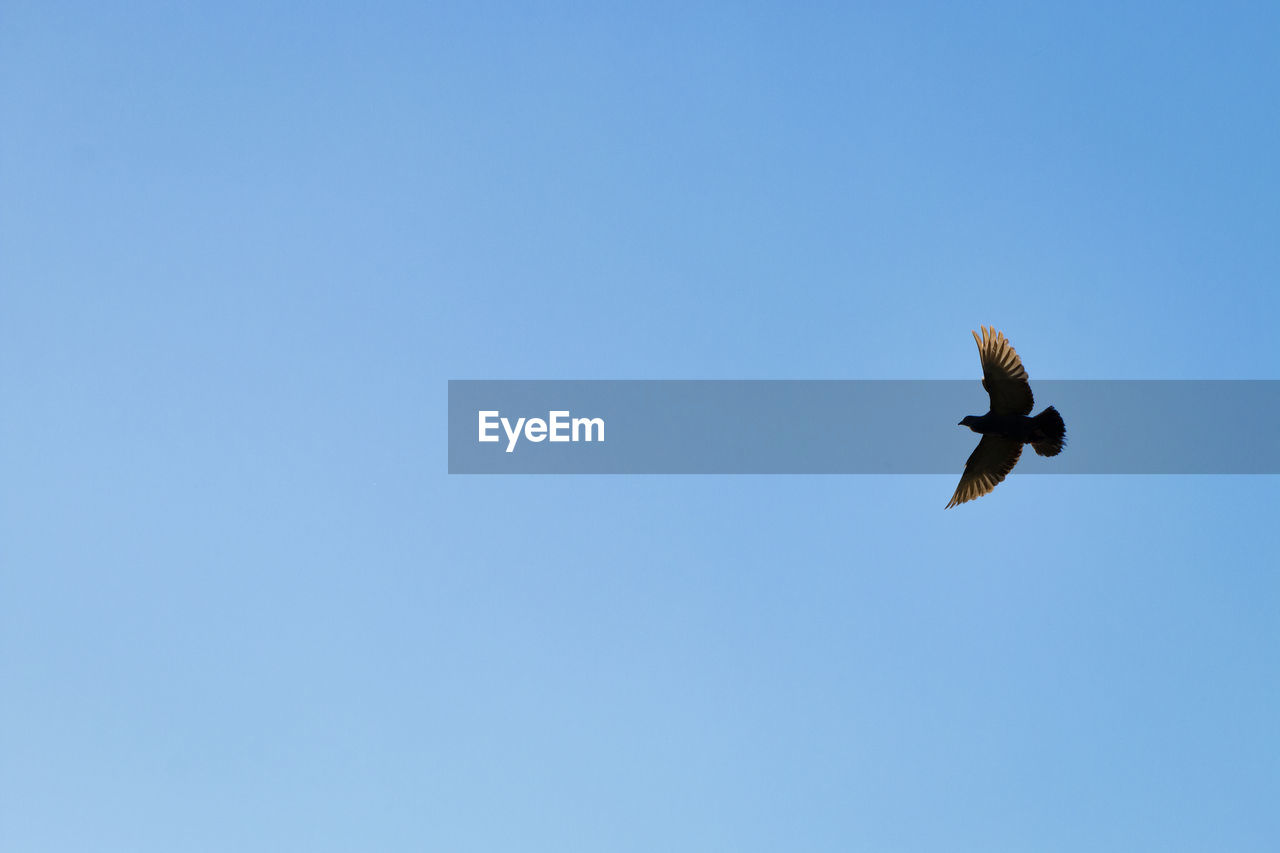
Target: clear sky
243, 247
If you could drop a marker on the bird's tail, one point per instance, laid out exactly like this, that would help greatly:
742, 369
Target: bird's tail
1050, 433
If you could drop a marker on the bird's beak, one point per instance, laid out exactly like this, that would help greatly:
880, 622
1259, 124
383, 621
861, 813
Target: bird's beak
959, 423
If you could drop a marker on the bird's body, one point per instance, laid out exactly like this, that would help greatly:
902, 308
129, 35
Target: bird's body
1008, 425
1020, 428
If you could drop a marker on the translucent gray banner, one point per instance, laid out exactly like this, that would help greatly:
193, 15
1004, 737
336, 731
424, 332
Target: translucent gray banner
850, 427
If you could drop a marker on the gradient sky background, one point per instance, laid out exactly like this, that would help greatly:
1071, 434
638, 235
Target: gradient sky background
243, 247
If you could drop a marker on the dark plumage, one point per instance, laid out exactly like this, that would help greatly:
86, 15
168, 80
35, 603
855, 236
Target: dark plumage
1008, 425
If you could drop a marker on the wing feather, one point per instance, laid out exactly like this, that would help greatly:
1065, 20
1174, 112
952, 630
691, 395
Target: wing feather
990, 462
1003, 375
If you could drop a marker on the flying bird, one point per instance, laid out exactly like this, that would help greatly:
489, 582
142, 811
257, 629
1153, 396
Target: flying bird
1008, 425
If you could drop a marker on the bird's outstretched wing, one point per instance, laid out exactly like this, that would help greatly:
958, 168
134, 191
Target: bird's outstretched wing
1003, 375
990, 462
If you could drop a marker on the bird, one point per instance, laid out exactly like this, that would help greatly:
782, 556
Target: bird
1007, 425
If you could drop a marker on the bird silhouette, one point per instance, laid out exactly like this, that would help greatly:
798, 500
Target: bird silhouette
1007, 425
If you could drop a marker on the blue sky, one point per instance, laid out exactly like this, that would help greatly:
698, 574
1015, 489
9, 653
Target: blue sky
244, 247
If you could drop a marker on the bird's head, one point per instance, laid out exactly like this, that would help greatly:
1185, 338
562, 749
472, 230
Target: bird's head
970, 421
